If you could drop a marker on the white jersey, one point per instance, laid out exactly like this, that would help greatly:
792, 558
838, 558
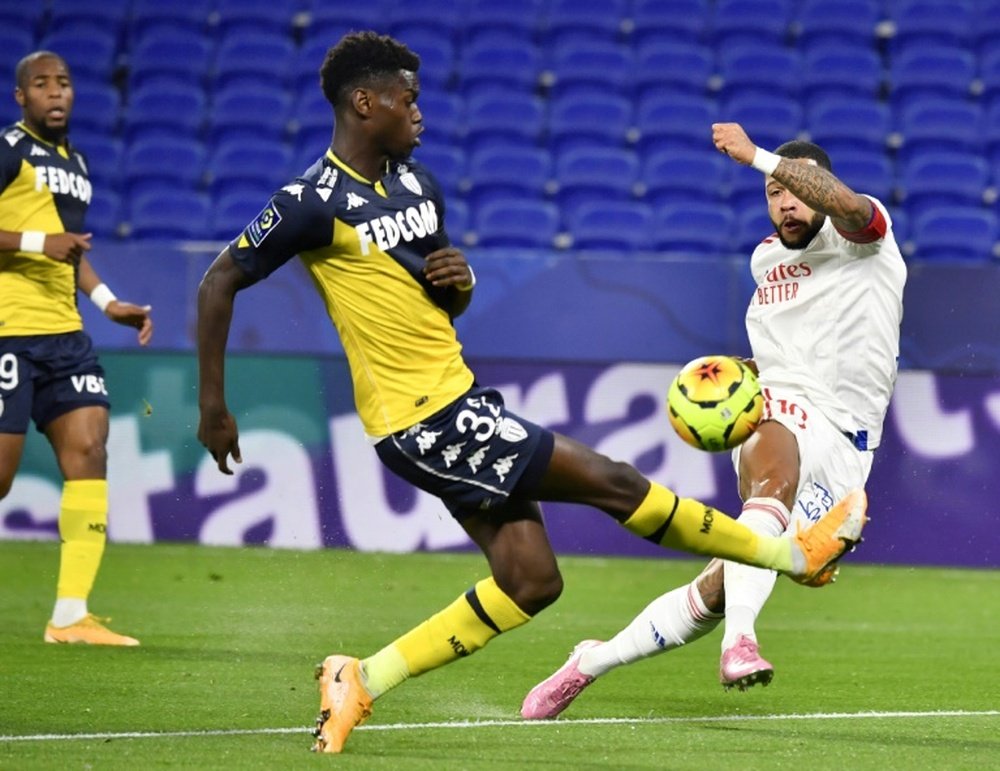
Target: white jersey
824, 322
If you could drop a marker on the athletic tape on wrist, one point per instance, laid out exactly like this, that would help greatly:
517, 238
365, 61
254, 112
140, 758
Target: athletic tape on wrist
764, 161
33, 241
102, 296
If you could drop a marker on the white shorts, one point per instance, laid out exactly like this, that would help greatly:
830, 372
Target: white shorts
829, 464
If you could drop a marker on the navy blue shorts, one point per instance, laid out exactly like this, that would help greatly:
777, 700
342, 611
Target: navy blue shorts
473, 454
45, 376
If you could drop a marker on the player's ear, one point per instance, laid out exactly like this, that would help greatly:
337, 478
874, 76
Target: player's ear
362, 100
19, 96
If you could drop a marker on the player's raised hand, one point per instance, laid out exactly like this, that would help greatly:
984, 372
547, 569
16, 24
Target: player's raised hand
448, 267
66, 247
219, 435
132, 315
731, 139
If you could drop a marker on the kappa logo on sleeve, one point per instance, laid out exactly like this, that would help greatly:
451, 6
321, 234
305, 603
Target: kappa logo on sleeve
263, 224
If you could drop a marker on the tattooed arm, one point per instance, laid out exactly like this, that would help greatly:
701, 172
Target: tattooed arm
816, 187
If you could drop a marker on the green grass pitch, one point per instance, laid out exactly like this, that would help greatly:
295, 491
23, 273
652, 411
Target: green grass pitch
891, 668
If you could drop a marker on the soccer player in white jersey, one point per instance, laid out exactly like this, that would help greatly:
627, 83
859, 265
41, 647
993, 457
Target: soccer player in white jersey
823, 325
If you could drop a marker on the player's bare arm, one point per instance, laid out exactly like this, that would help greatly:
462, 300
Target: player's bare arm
816, 187
124, 313
61, 247
448, 267
217, 429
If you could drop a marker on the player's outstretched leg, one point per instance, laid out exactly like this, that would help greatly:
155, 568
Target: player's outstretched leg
556, 692
344, 702
816, 549
742, 665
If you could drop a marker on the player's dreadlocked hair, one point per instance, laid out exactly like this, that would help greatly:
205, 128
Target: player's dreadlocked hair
363, 58
799, 149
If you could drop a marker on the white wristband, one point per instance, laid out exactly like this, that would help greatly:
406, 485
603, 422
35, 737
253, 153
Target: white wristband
102, 296
472, 282
33, 241
765, 161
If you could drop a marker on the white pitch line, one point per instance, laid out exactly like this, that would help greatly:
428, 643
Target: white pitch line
505, 724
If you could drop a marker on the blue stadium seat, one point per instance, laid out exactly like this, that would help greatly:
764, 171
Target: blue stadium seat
699, 228
109, 15
170, 215
617, 226
989, 73
165, 109
312, 119
16, 17
661, 22
255, 15
517, 223
103, 154
769, 120
584, 21
163, 163
443, 19
940, 124
250, 165
931, 70
842, 71
991, 135
499, 62
97, 108
835, 23
503, 118
951, 232
104, 215
986, 29
943, 179
676, 176
851, 123
667, 121
447, 165
14, 45
517, 19
154, 17
438, 56
250, 111
89, 51
308, 59
595, 173
583, 120
753, 225
249, 57
751, 21
509, 172
751, 68
920, 23
591, 67
866, 171
180, 56
673, 66
232, 212
443, 116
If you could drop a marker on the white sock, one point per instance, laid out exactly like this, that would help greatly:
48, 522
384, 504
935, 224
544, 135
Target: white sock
668, 622
747, 588
68, 610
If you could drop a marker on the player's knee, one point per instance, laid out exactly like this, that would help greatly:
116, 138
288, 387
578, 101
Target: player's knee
538, 592
6, 482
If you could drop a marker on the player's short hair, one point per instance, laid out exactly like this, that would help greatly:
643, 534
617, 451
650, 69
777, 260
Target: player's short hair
363, 58
798, 148
21, 71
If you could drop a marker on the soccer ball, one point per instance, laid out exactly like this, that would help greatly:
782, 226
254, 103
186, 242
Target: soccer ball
715, 403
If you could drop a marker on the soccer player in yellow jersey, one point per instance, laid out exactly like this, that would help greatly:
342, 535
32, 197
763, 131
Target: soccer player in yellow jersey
368, 222
49, 372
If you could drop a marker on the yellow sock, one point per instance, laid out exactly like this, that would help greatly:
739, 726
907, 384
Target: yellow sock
462, 628
83, 521
684, 523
